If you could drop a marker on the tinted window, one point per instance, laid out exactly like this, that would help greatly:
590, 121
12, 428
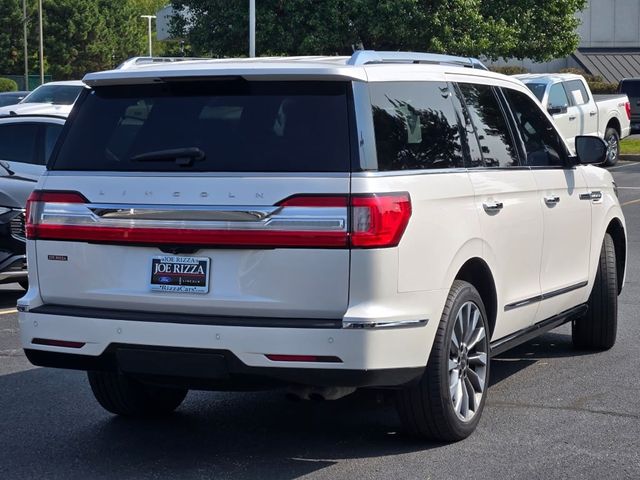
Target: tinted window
416, 126
18, 142
577, 92
494, 137
238, 125
54, 94
543, 145
52, 132
630, 87
537, 89
558, 96
10, 98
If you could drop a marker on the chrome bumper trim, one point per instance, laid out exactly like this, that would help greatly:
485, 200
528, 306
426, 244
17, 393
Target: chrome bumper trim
367, 325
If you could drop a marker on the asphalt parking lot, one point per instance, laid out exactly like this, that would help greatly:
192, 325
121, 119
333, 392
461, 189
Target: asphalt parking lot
552, 413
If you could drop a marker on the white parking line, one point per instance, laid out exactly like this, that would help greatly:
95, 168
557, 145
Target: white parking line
622, 166
631, 202
7, 311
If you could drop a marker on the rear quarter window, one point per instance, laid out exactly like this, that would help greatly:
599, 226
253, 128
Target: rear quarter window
416, 126
240, 126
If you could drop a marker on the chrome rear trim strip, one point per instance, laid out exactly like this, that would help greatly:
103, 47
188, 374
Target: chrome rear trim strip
368, 325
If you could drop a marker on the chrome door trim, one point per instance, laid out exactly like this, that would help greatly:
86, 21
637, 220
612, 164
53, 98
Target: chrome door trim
545, 296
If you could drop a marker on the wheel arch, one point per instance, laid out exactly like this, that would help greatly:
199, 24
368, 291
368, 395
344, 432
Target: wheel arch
617, 232
477, 272
615, 124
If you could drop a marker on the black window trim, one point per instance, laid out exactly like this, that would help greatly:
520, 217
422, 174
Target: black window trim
519, 148
569, 165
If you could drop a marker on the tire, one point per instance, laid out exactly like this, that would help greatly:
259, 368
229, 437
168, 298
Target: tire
597, 329
613, 146
24, 284
426, 408
126, 396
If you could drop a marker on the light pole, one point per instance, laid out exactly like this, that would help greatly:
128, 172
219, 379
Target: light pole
24, 45
149, 18
252, 28
41, 43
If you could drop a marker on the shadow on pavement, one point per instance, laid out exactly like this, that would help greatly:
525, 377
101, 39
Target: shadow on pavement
549, 345
53, 428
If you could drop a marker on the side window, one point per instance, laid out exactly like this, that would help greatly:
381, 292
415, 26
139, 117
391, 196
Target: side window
51, 134
492, 131
18, 142
558, 96
577, 91
416, 126
543, 145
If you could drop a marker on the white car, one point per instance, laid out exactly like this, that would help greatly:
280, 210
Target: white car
385, 220
53, 98
576, 111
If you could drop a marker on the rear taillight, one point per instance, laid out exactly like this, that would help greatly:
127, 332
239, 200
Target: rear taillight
304, 221
36, 202
379, 220
627, 107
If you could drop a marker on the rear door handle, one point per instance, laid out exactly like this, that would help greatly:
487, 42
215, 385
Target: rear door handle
593, 114
572, 118
492, 206
551, 199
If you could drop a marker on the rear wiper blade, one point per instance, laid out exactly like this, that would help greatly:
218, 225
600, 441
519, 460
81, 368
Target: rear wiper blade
6, 166
182, 156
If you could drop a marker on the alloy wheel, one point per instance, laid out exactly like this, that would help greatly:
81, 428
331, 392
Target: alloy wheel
468, 357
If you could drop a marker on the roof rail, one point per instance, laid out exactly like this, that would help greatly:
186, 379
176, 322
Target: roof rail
367, 57
139, 61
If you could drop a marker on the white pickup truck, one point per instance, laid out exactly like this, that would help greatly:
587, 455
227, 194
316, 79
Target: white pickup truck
576, 111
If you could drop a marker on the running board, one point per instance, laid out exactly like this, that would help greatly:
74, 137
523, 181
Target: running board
526, 334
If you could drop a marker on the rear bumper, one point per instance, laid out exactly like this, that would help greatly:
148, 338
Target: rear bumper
204, 355
214, 369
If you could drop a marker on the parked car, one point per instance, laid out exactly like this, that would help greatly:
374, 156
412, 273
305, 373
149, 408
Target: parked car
576, 111
25, 144
385, 220
631, 88
11, 98
53, 98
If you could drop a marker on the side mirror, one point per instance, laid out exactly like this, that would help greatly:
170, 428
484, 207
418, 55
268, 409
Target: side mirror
591, 150
556, 110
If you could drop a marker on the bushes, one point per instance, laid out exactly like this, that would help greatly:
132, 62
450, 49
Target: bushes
603, 87
8, 85
509, 70
597, 84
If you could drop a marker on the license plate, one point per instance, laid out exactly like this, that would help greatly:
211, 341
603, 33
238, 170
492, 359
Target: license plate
170, 273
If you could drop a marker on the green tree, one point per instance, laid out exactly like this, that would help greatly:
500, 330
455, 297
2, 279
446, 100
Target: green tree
493, 28
79, 35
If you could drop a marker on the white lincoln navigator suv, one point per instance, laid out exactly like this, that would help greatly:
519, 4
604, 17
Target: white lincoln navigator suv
385, 220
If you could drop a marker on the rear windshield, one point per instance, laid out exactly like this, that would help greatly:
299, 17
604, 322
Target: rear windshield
630, 87
537, 89
214, 126
54, 94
